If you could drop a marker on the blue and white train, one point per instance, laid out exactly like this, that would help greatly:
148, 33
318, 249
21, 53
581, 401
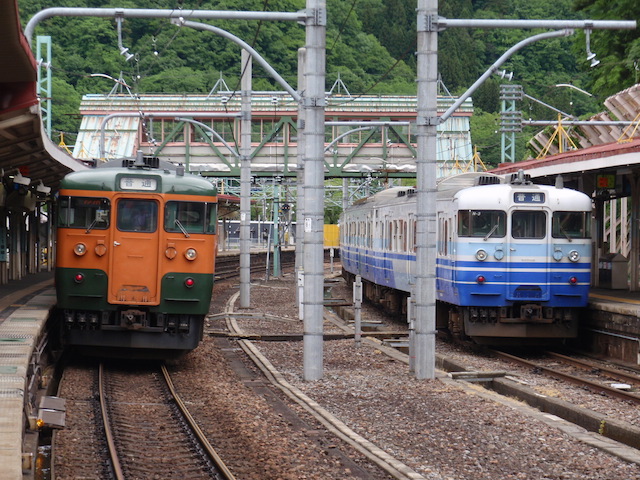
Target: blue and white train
513, 258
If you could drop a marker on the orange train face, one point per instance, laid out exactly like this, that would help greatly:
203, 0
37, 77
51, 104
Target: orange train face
135, 257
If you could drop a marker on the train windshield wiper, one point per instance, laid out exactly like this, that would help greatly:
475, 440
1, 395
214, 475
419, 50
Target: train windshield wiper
491, 231
91, 225
182, 229
566, 235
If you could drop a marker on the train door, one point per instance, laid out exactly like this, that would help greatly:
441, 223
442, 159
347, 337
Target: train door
133, 276
528, 275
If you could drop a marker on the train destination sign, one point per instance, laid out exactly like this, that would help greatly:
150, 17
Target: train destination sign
138, 183
528, 197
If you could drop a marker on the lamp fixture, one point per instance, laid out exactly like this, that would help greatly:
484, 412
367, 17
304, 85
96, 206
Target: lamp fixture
42, 188
18, 179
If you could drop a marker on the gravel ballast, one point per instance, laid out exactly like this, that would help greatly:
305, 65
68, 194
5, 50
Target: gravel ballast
439, 428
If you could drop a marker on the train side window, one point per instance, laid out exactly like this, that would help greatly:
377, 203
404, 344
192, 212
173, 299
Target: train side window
188, 217
212, 216
137, 215
571, 225
84, 212
528, 224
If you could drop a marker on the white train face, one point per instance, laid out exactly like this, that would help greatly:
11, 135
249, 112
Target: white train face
526, 251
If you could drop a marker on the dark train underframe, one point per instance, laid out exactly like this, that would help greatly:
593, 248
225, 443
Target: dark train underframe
529, 323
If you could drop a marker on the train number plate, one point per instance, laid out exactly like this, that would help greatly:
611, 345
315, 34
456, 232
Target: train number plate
138, 183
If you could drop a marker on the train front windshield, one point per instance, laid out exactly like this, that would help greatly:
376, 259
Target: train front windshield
84, 212
481, 223
190, 217
137, 215
571, 225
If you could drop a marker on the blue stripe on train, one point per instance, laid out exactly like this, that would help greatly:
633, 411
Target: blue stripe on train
546, 283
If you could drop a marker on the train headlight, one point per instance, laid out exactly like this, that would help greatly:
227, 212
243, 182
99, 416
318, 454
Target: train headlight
191, 254
189, 282
78, 278
574, 256
481, 255
80, 249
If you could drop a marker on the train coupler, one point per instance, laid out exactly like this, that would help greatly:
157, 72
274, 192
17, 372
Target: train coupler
133, 319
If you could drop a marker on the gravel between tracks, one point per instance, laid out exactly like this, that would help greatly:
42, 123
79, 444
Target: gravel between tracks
438, 429
435, 427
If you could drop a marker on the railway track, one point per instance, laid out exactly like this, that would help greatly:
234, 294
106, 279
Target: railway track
148, 430
228, 267
600, 374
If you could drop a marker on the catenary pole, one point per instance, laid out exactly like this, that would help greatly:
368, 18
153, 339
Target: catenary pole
314, 102
300, 170
245, 181
426, 123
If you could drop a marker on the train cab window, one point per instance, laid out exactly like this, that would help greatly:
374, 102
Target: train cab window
528, 224
190, 217
84, 212
481, 223
137, 215
571, 225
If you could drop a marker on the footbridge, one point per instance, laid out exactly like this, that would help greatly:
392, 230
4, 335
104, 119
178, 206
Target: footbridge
365, 135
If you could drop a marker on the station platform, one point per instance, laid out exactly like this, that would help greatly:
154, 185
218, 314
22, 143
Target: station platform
612, 325
24, 309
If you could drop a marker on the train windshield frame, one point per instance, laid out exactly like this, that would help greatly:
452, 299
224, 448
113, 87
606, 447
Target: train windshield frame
190, 217
529, 224
84, 212
482, 223
570, 225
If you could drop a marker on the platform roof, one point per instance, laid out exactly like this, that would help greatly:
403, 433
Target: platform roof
24, 144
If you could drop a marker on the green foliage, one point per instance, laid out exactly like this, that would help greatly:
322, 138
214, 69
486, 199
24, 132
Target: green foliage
371, 44
65, 106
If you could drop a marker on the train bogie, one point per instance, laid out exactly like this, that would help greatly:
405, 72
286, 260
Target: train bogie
136, 250
512, 258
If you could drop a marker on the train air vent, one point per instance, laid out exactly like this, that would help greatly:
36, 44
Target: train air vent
401, 193
488, 180
520, 178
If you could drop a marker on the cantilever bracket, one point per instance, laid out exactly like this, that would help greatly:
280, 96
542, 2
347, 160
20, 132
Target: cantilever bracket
430, 23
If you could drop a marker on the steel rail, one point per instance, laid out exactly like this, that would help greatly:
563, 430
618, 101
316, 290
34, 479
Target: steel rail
570, 378
587, 365
113, 454
204, 442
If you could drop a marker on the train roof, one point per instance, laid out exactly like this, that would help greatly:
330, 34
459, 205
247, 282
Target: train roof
108, 179
446, 187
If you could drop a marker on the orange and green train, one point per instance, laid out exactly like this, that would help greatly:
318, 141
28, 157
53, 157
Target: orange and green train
136, 249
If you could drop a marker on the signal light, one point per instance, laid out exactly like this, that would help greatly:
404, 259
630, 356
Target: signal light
189, 282
573, 281
78, 278
480, 279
